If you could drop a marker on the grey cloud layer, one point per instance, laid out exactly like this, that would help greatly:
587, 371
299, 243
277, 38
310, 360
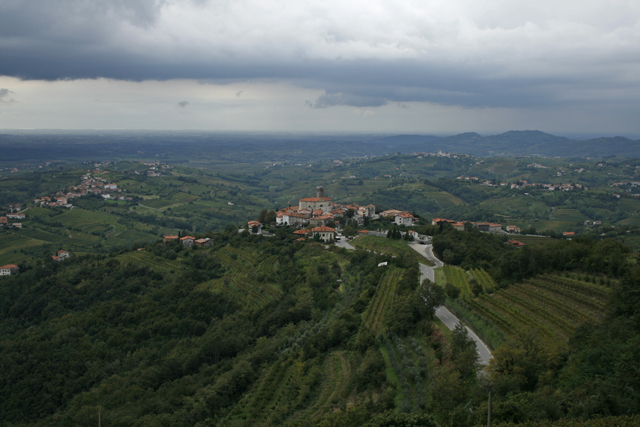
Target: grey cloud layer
499, 53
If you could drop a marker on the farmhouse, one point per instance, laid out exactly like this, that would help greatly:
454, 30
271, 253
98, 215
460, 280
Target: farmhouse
257, 225
170, 238
513, 229
8, 270
515, 243
326, 234
204, 242
404, 219
187, 241
61, 255
489, 226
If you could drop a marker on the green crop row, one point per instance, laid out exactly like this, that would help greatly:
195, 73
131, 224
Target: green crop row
383, 298
584, 288
559, 303
567, 292
458, 278
516, 315
542, 311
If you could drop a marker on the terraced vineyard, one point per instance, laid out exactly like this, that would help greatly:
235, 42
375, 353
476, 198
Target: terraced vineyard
239, 283
266, 394
484, 279
382, 300
552, 305
337, 371
457, 277
408, 362
150, 260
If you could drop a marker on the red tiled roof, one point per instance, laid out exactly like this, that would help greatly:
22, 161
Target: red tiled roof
297, 215
302, 232
323, 229
316, 199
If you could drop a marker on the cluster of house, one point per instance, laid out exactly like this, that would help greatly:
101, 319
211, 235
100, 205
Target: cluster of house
320, 210
4, 220
441, 154
155, 168
525, 184
188, 241
402, 218
482, 226
624, 184
89, 185
549, 187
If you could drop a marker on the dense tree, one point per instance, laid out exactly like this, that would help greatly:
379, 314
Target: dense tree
432, 295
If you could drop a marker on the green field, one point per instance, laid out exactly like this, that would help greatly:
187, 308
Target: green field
552, 305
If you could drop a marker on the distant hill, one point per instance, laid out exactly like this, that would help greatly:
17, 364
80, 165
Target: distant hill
514, 143
185, 147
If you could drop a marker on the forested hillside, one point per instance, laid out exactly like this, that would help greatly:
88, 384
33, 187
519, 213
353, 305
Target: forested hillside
268, 331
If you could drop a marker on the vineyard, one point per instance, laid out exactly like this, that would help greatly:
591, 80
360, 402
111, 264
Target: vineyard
239, 282
458, 278
554, 306
484, 279
153, 262
382, 300
408, 361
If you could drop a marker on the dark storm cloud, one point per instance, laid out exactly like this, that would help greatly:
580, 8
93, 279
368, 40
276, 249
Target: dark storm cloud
463, 53
333, 99
4, 96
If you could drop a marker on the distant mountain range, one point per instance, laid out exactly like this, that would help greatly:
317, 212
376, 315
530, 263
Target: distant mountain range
186, 146
515, 143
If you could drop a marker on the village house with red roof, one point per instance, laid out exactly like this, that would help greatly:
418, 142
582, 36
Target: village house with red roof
9, 270
257, 225
326, 234
187, 241
61, 255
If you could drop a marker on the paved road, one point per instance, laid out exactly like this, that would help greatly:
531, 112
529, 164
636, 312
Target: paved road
442, 313
451, 321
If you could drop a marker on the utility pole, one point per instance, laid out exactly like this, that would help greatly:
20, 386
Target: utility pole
99, 415
489, 409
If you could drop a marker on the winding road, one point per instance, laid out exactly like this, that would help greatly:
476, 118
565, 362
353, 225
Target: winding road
442, 312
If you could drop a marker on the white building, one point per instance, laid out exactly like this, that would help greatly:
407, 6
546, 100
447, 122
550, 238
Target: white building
327, 234
8, 270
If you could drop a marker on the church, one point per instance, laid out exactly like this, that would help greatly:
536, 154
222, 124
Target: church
320, 202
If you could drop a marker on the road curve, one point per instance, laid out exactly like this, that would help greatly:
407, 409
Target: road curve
443, 313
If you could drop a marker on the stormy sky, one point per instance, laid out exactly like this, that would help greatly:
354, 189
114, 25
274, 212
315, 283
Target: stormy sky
431, 66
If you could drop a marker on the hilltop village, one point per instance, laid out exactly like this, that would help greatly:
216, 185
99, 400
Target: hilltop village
320, 217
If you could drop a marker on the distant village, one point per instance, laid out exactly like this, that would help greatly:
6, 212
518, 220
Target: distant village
525, 184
